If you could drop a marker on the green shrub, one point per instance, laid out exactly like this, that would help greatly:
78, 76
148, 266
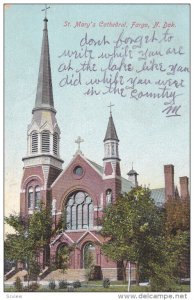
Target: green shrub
106, 282
52, 285
62, 284
95, 273
77, 284
18, 284
162, 282
32, 287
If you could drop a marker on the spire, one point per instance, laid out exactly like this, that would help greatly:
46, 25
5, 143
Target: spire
44, 94
111, 133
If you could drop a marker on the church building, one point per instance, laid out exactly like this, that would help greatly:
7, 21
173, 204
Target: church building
83, 188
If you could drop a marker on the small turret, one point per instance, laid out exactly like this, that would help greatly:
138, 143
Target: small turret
111, 148
132, 176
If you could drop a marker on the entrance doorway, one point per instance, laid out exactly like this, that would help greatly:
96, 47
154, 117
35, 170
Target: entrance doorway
63, 257
89, 255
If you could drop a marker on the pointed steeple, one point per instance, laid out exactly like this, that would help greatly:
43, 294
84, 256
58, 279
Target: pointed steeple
111, 161
111, 133
111, 142
44, 94
43, 132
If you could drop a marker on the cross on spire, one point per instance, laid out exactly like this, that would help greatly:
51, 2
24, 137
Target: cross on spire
78, 141
45, 10
110, 107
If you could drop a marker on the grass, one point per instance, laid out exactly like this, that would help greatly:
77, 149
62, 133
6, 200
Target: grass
96, 286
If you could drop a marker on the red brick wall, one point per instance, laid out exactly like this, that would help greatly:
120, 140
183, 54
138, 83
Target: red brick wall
108, 170
184, 187
169, 181
32, 176
115, 185
90, 182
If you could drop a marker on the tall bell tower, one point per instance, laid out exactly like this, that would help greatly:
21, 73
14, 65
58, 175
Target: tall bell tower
42, 163
111, 162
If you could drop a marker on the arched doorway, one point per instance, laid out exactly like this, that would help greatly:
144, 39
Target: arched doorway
63, 256
88, 255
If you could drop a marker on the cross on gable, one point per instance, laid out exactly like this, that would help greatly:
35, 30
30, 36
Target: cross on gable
110, 107
78, 141
45, 10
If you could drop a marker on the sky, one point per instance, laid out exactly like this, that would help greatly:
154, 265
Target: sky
147, 137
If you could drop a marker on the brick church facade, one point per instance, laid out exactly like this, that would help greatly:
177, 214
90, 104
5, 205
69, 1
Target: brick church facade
83, 189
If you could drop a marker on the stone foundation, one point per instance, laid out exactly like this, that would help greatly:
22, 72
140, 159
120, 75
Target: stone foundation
112, 274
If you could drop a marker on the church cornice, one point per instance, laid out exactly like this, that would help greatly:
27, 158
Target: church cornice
41, 160
52, 109
42, 155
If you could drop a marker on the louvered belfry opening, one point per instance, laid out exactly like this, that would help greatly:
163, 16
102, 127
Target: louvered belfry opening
45, 141
34, 142
55, 143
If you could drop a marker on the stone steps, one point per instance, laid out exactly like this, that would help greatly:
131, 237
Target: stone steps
69, 275
19, 274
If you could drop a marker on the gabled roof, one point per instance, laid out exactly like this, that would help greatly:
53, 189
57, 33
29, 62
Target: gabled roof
158, 195
78, 236
96, 166
111, 133
126, 185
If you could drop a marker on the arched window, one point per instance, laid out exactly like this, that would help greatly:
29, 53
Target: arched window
37, 197
108, 196
79, 211
33, 196
55, 143
45, 141
89, 255
34, 142
30, 197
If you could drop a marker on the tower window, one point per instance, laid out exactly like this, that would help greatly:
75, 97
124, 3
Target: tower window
33, 196
37, 197
34, 142
55, 143
79, 211
45, 141
30, 197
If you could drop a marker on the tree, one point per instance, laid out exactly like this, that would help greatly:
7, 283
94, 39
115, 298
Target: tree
63, 257
133, 227
177, 215
88, 264
176, 246
177, 233
32, 235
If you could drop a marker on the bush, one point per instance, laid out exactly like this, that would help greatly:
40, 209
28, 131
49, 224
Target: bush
106, 282
162, 281
77, 284
52, 285
18, 284
32, 287
62, 284
95, 273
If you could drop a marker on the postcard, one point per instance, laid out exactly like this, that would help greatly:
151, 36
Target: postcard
97, 111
